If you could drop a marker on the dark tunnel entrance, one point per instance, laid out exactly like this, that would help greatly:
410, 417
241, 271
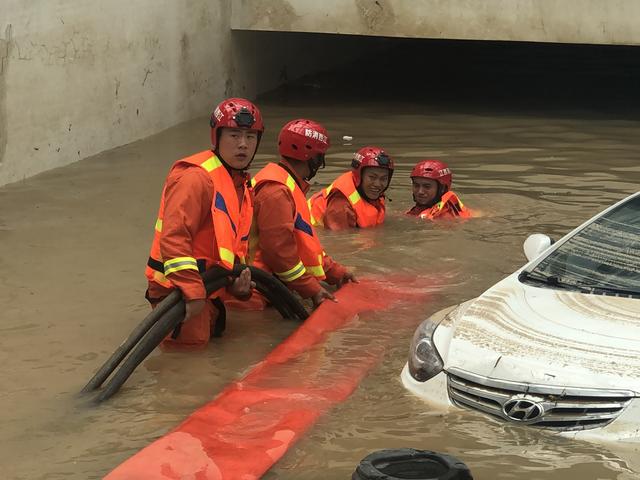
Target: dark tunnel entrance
590, 80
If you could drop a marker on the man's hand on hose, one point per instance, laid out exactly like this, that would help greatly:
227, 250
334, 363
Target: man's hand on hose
348, 277
321, 296
242, 286
193, 308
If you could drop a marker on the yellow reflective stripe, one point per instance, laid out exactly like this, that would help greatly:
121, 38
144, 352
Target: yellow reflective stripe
159, 225
354, 197
253, 182
313, 219
440, 205
293, 273
227, 255
328, 189
316, 270
211, 164
180, 263
291, 183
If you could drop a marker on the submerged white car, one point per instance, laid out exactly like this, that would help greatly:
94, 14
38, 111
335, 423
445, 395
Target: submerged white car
554, 345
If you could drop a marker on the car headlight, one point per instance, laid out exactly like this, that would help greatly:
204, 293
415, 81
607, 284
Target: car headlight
424, 359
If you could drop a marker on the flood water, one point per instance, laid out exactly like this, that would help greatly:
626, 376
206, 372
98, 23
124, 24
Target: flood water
74, 242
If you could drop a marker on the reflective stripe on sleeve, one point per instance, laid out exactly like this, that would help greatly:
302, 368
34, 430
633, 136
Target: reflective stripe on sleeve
354, 197
293, 273
159, 225
180, 263
316, 271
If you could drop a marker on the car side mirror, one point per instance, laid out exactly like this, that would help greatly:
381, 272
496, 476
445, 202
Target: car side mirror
535, 244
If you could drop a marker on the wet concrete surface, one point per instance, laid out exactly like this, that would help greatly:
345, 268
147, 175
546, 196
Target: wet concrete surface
74, 242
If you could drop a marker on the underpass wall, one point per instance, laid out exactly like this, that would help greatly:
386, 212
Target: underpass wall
79, 78
611, 22
82, 77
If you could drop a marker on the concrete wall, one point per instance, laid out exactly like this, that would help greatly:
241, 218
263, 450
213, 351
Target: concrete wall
563, 21
81, 77
78, 78
262, 61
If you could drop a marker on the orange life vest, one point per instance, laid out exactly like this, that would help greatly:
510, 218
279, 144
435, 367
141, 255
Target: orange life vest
448, 206
309, 247
220, 245
367, 215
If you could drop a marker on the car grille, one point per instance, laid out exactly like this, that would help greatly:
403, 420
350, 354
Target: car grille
538, 405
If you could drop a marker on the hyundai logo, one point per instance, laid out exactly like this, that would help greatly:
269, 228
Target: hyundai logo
521, 409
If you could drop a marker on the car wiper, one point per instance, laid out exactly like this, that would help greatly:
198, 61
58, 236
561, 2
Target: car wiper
550, 280
610, 290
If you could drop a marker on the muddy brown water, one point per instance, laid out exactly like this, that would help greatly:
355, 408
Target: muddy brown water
74, 243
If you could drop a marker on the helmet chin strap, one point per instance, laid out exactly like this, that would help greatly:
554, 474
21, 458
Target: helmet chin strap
314, 164
229, 167
364, 195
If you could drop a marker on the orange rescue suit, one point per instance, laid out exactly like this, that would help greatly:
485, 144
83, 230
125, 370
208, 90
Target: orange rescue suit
449, 206
367, 214
286, 242
184, 246
309, 247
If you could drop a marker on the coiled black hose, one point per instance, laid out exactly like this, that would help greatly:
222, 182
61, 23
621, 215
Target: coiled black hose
170, 312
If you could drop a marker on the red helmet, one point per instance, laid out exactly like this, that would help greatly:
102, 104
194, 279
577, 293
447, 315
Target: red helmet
434, 169
370, 157
303, 140
235, 113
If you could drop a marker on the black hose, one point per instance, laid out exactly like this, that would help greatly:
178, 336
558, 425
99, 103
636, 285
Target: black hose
134, 337
151, 340
277, 291
143, 327
170, 312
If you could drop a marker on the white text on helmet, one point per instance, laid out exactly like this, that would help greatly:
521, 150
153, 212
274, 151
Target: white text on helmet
358, 157
217, 113
444, 171
308, 132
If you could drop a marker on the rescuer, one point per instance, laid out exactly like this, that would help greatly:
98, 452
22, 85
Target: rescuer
204, 220
356, 198
431, 184
287, 243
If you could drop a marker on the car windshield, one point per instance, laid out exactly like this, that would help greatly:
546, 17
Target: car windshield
603, 257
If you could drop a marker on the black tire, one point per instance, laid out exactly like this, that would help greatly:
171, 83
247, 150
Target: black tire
408, 463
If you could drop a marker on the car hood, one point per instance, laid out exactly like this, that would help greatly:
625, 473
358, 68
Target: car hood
527, 334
